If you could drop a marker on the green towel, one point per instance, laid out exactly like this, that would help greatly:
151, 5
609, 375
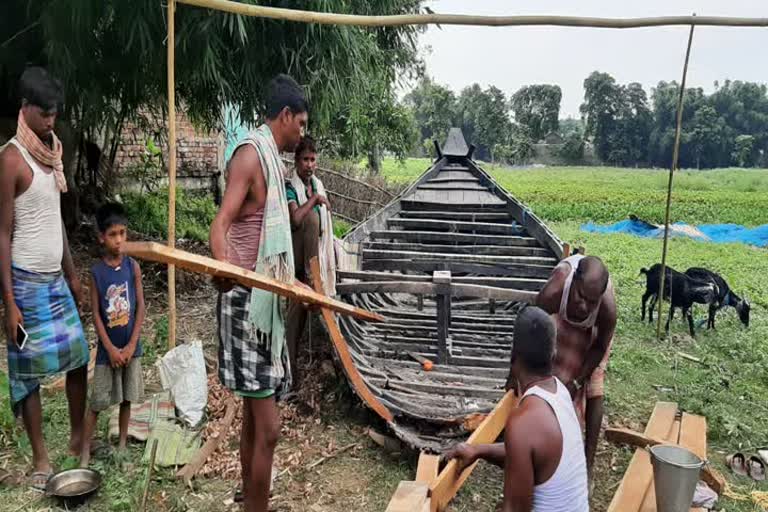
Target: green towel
175, 445
275, 257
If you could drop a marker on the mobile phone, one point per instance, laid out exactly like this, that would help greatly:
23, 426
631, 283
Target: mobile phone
21, 336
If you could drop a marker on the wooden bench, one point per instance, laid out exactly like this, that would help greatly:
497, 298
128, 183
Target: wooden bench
636, 493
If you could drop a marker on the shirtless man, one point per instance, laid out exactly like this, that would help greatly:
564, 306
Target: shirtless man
579, 295
252, 230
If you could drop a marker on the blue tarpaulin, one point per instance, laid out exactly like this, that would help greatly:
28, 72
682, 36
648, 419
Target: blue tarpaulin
720, 233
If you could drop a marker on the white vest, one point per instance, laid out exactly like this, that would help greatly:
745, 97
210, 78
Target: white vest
37, 243
566, 490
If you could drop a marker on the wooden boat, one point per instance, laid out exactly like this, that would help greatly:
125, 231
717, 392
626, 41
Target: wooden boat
448, 263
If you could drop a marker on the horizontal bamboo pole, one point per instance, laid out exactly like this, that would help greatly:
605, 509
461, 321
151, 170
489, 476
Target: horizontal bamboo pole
327, 18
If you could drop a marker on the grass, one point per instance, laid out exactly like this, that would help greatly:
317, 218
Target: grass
148, 214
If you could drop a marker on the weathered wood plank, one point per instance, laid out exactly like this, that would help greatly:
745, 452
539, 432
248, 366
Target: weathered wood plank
483, 216
490, 250
409, 497
473, 258
449, 481
412, 203
456, 290
463, 238
342, 350
632, 489
152, 251
451, 185
427, 468
457, 226
444, 178
508, 270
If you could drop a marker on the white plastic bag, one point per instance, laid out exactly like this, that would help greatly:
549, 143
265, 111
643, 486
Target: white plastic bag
182, 371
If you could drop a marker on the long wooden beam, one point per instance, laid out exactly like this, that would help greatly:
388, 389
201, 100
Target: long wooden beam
450, 480
462, 238
326, 18
159, 253
457, 290
342, 350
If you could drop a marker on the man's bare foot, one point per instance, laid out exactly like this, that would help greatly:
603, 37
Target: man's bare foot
85, 459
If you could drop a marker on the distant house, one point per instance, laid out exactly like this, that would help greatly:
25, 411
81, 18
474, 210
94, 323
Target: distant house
553, 138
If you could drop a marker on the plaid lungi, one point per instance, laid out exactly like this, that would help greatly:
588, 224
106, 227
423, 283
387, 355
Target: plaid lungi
245, 356
56, 341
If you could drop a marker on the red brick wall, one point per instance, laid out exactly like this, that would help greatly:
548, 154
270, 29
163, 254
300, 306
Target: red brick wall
197, 152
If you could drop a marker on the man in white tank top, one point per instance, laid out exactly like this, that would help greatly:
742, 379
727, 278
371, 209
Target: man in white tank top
40, 287
543, 453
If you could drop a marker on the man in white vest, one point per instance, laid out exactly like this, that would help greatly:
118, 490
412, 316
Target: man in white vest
40, 287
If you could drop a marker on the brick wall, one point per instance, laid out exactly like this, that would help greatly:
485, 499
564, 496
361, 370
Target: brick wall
198, 153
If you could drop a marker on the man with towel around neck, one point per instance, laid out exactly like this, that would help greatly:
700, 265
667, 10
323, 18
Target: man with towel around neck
40, 287
253, 230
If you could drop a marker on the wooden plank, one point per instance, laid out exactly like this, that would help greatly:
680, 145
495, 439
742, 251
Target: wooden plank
509, 269
463, 238
490, 250
649, 502
451, 215
520, 283
198, 459
490, 228
479, 258
152, 251
449, 481
444, 178
427, 468
415, 202
456, 290
628, 436
342, 350
451, 185
693, 434
632, 489
409, 497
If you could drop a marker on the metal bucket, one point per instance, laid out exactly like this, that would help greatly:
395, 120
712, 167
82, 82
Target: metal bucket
675, 475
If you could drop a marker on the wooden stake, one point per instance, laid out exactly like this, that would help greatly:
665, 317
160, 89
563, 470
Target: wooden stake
149, 473
327, 18
675, 157
171, 171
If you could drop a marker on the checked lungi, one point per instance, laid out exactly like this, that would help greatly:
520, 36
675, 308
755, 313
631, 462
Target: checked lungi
245, 357
56, 341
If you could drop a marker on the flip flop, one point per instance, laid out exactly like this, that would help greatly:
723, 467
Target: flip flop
756, 468
39, 479
738, 463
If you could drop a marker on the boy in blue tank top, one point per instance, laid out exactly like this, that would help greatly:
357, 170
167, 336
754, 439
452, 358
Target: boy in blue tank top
117, 298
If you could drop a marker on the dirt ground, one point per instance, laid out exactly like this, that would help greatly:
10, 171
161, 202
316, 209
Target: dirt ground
326, 461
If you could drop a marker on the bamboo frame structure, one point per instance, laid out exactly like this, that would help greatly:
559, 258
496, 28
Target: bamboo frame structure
675, 157
171, 171
327, 18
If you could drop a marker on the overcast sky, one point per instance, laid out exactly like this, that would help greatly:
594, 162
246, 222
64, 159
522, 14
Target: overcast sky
511, 57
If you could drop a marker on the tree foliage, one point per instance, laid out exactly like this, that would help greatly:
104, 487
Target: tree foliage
537, 107
111, 56
433, 106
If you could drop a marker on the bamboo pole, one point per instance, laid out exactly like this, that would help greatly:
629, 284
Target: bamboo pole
171, 172
675, 157
327, 18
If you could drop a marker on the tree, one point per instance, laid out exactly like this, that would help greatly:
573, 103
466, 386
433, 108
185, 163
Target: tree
433, 107
537, 107
744, 154
468, 117
111, 56
493, 124
602, 103
705, 135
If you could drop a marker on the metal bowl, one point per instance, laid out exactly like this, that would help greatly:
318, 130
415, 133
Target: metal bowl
73, 486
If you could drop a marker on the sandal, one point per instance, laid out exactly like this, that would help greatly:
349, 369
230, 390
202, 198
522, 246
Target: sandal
738, 463
39, 480
756, 469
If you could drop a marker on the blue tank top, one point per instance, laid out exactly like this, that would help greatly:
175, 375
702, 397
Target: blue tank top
116, 288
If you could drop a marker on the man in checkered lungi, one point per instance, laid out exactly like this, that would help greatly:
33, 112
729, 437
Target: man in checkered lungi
252, 230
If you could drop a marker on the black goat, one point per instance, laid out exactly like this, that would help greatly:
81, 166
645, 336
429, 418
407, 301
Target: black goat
680, 290
725, 296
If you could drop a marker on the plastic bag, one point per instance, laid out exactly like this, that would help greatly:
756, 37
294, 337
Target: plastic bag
182, 371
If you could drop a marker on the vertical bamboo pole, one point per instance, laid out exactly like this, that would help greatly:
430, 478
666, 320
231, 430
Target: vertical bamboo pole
675, 157
171, 171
